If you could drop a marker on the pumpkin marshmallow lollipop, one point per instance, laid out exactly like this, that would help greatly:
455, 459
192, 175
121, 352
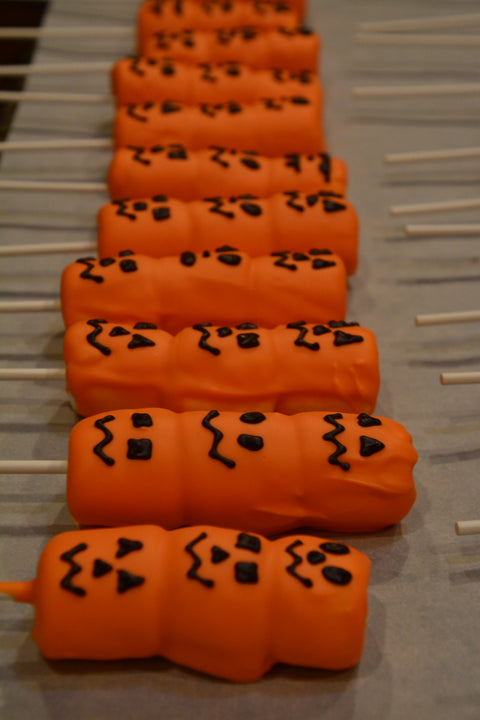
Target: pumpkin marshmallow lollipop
220, 601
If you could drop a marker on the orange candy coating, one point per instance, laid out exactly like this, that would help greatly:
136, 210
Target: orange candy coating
287, 369
288, 49
160, 227
220, 601
266, 473
178, 172
221, 287
156, 16
138, 80
272, 127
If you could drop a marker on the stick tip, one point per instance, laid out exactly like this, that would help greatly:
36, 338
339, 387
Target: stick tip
19, 591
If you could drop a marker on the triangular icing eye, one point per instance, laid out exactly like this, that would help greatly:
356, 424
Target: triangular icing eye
128, 581
101, 568
139, 341
126, 546
365, 420
218, 555
369, 446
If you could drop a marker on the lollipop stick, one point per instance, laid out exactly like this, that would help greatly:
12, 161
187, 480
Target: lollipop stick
47, 248
383, 91
460, 378
53, 186
428, 23
422, 40
446, 318
467, 527
428, 155
29, 306
442, 206
33, 467
460, 230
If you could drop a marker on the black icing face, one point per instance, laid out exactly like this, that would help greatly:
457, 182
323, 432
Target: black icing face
135, 337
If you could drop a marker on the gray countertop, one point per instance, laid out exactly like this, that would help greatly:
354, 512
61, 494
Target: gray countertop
422, 643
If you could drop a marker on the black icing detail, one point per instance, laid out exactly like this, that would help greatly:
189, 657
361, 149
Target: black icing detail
122, 209
317, 251
126, 546
167, 106
341, 324
117, 330
139, 206
168, 70
343, 338
282, 262
105, 262
127, 581
192, 573
299, 100
160, 198
101, 568
218, 204
188, 259
217, 438
297, 560
177, 152
87, 274
300, 339
157, 149
247, 326
321, 330
139, 341
66, 581
248, 542
248, 340
203, 343
312, 200
224, 332
144, 326
336, 575
273, 104
218, 555
125, 253
92, 336
300, 257
250, 163
206, 253
369, 446
141, 420
161, 213
293, 160
325, 166
246, 572
139, 448
332, 437
333, 206
365, 420
226, 248
294, 195
335, 548
315, 557
217, 156
138, 155
98, 449
251, 209
132, 111
253, 418
229, 259
320, 264
128, 266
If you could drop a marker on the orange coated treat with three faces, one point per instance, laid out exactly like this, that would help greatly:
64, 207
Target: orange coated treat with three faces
288, 49
271, 127
176, 171
263, 472
289, 369
159, 227
139, 80
224, 286
223, 602
175, 15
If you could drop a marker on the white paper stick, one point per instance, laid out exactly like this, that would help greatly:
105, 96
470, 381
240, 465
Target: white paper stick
80, 144
69, 31
14, 306
447, 318
460, 378
441, 206
54, 97
32, 374
58, 68
33, 467
427, 23
464, 230
427, 155
467, 527
53, 186
381, 91
418, 39
47, 248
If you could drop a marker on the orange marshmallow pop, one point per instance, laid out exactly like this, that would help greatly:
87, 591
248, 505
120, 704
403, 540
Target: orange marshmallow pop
224, 286
178, 172
220, 601
264, 472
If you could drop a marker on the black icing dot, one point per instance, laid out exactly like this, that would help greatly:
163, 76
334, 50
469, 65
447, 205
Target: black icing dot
299, 100
224, 332
106, 262
365, 420
170, 107
249, 542
140, 206
188, 259
250, 442
117, 330
250, 163
320, 330
319, 264
168, 70
335, 548
370, 446
144, 326
218, 555
336, 575
139, 449
128, 581
247, 326
252, 418
246, 572
161, 213
315, 557
101, 568
248, 340
251, 209
229, 259
128, 266
142, 420
206, 254
126, 546
157, 149
160, 198
312, 200
300, 256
